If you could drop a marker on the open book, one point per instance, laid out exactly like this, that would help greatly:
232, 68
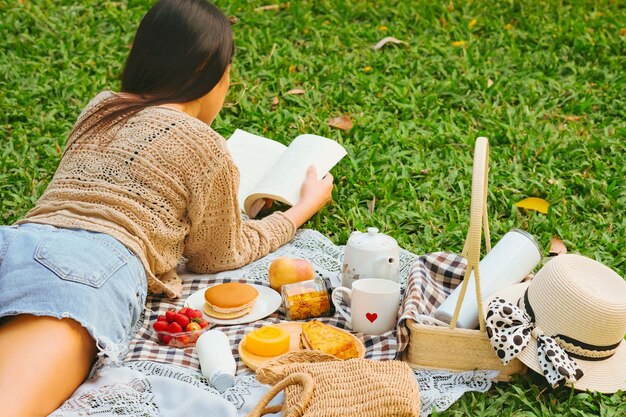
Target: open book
269, 169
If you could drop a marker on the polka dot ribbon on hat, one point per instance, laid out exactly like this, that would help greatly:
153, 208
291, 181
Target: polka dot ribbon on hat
509, 330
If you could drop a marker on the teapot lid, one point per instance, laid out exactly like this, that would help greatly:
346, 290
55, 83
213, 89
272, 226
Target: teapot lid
372, 240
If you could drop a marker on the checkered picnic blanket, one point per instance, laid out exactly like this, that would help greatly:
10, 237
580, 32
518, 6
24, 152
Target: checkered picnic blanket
145, 347
327, 261
431, 280
146, 384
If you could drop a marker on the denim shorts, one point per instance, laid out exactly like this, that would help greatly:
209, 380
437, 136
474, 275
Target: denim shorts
73, 273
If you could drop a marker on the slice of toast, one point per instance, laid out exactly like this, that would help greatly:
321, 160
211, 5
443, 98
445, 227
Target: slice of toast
319, 336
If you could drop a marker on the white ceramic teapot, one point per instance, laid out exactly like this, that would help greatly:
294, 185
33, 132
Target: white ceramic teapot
370, 255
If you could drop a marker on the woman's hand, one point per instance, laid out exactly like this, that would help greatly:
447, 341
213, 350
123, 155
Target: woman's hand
314, 195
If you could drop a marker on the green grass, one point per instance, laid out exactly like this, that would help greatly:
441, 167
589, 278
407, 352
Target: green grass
554, 116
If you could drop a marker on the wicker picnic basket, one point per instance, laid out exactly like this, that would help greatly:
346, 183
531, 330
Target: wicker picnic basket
452, 348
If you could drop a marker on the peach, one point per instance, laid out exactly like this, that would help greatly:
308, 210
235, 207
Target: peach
289, 270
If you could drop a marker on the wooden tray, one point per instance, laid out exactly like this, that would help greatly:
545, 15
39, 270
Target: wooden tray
294, 328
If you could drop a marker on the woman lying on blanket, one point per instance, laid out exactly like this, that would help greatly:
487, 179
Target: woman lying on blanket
143, 181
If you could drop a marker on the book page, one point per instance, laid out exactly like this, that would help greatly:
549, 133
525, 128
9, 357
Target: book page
254, 156
285, 179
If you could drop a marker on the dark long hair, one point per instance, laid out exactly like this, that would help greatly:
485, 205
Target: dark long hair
181, 51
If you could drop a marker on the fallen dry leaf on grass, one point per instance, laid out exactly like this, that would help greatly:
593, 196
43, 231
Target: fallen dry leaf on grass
534, 203
296, 91
371, 205
342, 122
275, 102
489, 83
458, 44
472, 23
557, 247
385, 41
268, 7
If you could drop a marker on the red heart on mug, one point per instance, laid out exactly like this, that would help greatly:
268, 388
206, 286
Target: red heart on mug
371, 317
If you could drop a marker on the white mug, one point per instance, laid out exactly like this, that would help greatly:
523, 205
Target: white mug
374, 304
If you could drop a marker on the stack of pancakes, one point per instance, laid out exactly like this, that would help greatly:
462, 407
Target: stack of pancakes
230, 300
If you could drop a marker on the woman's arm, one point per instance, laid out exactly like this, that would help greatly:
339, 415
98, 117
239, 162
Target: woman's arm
220, 240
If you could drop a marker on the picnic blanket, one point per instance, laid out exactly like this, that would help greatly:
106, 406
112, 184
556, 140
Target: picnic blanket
156, 380
432, 278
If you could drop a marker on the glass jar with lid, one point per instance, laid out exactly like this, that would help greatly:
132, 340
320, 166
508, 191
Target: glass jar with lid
306, 299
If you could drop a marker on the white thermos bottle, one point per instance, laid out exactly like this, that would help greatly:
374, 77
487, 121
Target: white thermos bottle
216, 359
508, 263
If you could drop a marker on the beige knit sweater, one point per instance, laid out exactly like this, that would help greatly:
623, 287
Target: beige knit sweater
166, 187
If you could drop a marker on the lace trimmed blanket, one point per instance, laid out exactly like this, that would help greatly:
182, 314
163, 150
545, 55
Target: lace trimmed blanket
156, 380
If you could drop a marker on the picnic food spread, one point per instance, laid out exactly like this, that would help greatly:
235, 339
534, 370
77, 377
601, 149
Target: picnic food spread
230, 300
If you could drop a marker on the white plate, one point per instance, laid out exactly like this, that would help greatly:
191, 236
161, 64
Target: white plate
267, 303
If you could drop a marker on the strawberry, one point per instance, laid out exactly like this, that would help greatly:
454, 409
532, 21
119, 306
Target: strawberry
160, 325
203, 324
183, 340
191, 313
166, 339
193, 327
184, 310
174, 328
169, 316
194, 314
181, 319
162, 318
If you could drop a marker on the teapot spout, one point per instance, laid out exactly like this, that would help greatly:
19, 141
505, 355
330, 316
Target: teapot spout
387, 267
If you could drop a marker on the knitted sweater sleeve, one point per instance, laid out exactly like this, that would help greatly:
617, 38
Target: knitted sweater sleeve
219, 239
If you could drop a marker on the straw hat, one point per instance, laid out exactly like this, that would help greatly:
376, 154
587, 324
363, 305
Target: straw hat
576, 302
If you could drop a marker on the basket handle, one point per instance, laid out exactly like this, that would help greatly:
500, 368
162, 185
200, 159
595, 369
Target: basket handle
299, 378
478, 221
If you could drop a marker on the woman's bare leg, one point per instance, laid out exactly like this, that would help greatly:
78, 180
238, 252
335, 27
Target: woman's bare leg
42, 361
